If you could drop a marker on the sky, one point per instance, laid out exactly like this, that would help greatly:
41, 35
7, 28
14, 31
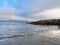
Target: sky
30, 10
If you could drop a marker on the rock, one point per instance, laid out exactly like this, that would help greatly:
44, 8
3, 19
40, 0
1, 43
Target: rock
46, 22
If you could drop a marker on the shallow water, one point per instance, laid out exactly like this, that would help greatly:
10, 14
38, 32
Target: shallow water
20, 33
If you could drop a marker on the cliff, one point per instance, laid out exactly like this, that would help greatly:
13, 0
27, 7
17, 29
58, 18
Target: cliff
47, 22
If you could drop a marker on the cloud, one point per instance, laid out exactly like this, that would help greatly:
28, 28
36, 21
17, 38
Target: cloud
55, 12
48, 14
10, 14
27, 5
36, 5
40, 9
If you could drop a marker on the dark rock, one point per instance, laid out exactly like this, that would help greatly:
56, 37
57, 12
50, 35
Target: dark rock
46, 22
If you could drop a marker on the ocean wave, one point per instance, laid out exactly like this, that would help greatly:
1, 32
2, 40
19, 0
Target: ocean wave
14, 36
11, 36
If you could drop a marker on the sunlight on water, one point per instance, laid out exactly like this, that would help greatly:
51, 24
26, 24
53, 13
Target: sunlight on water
55, 32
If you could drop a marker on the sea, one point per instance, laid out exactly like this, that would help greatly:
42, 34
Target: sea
21, 33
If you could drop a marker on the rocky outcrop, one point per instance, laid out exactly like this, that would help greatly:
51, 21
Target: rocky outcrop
47, 22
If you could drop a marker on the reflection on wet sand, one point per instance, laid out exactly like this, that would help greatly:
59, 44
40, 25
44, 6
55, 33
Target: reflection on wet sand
48, 37
58, 27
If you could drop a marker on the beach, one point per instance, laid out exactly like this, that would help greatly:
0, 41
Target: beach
21, 33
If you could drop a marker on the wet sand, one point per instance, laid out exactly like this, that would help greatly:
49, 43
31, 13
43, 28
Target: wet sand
48, 38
